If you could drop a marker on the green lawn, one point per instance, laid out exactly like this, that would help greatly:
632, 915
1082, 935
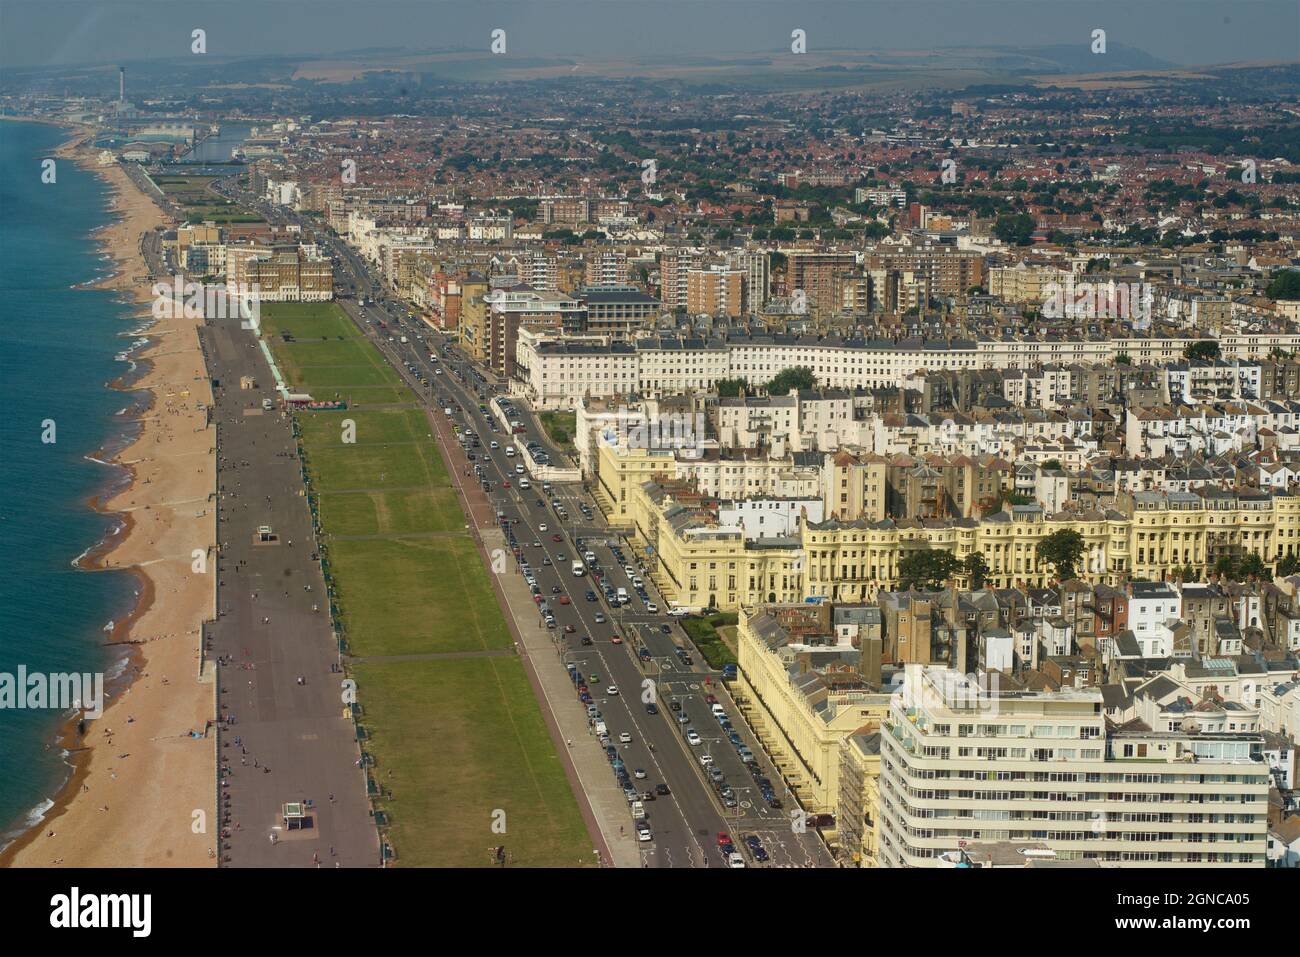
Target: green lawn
457, 741
704, 632
455, 738
560, 426
308, 320
411, 596
399, 512
350, 467
374, 426
333, 364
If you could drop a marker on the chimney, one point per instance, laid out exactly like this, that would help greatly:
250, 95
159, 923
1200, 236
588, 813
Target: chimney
121, 84
869, 659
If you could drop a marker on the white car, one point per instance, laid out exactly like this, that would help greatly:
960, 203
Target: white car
519, 470
735, 861
652, 608
541, 527
706, 759
611, 690
625, 738
694, 739
643, 834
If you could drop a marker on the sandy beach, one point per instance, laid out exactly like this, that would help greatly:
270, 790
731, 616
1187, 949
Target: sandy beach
140, 778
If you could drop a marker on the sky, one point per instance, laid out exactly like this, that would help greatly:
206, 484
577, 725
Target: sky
1188, 32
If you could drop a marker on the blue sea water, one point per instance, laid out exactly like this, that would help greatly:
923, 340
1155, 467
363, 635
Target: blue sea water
60, 346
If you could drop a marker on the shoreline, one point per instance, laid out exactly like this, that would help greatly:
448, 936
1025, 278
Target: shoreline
164, 773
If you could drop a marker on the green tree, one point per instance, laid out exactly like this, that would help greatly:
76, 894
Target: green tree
1287, 565
731, 388
1015, 230
1252, 566
1204, 351
1225, 566
1285, 285
927, 568
1062, 549
976, 567
795, 377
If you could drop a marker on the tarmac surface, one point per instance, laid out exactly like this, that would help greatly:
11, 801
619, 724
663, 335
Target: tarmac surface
285, 736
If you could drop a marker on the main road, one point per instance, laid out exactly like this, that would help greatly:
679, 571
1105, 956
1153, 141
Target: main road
686, 823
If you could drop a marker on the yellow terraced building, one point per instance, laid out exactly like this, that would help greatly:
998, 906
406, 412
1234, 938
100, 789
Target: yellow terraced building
698, 564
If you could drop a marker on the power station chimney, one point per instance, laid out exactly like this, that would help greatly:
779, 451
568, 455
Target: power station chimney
121, 84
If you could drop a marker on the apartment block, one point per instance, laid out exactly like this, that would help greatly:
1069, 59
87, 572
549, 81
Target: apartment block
962, 761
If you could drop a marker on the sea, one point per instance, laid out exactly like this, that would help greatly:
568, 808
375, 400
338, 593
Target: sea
61, 344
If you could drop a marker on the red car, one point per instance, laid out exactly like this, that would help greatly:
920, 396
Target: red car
616, 640
723, 838
569, 629
505, 484
557, 538
709, 699
564, 599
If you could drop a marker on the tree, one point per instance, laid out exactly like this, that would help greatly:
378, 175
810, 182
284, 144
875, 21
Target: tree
1252, 566
1015, 230
927, 568
795, 377
1225, 566
1203, 351
1062, 549
977, 569
730, 388
1287, 565
1285, 285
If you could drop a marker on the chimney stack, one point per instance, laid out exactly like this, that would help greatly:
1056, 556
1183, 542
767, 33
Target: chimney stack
121, 84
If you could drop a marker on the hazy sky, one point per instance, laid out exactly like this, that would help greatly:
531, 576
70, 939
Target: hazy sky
39, 32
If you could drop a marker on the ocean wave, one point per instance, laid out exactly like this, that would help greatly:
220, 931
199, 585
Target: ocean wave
32, 818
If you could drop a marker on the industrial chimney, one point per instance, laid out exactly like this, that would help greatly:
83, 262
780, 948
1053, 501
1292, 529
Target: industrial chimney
121, 84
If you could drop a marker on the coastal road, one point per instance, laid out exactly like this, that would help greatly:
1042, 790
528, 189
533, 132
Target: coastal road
279, 691
686, 823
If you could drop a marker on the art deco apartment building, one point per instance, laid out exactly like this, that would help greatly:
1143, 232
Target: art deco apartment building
961, 762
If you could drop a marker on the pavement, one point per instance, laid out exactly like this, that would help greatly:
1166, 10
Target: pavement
685, 823
281, 739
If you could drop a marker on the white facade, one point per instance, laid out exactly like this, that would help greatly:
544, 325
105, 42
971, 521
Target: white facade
769, 517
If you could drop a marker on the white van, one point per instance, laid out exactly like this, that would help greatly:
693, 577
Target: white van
638, 811
718, 710
600, 728
622, 595
579, 569
510, 451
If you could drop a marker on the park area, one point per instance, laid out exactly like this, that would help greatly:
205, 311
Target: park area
449, 716
191, 193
